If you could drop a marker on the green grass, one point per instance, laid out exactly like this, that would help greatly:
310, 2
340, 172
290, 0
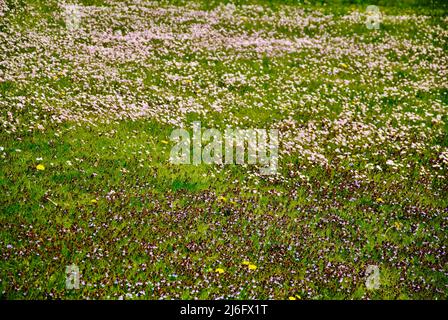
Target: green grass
158, 230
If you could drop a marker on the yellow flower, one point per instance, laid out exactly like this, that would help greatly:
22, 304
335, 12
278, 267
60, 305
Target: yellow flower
164, 142
379, 200
93, 201
219, 270
292, 298
398, 225
245, 262
223, 199
40, 167
252, 267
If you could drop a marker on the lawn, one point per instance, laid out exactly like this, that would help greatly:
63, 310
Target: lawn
86, 114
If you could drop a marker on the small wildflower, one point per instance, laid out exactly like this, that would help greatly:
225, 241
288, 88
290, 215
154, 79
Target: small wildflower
219, 270
292, 298
390, 163
252, 267
40, 167
246, 263
93, 201
379, 200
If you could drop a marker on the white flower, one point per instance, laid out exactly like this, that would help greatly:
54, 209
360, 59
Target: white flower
390, 163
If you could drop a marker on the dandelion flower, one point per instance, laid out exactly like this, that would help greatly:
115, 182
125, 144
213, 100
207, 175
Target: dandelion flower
40, 167
245, 262
219, 270
93, 201
252, 267
292, 298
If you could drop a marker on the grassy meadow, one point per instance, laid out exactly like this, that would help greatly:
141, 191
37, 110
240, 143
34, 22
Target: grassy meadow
85, 178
